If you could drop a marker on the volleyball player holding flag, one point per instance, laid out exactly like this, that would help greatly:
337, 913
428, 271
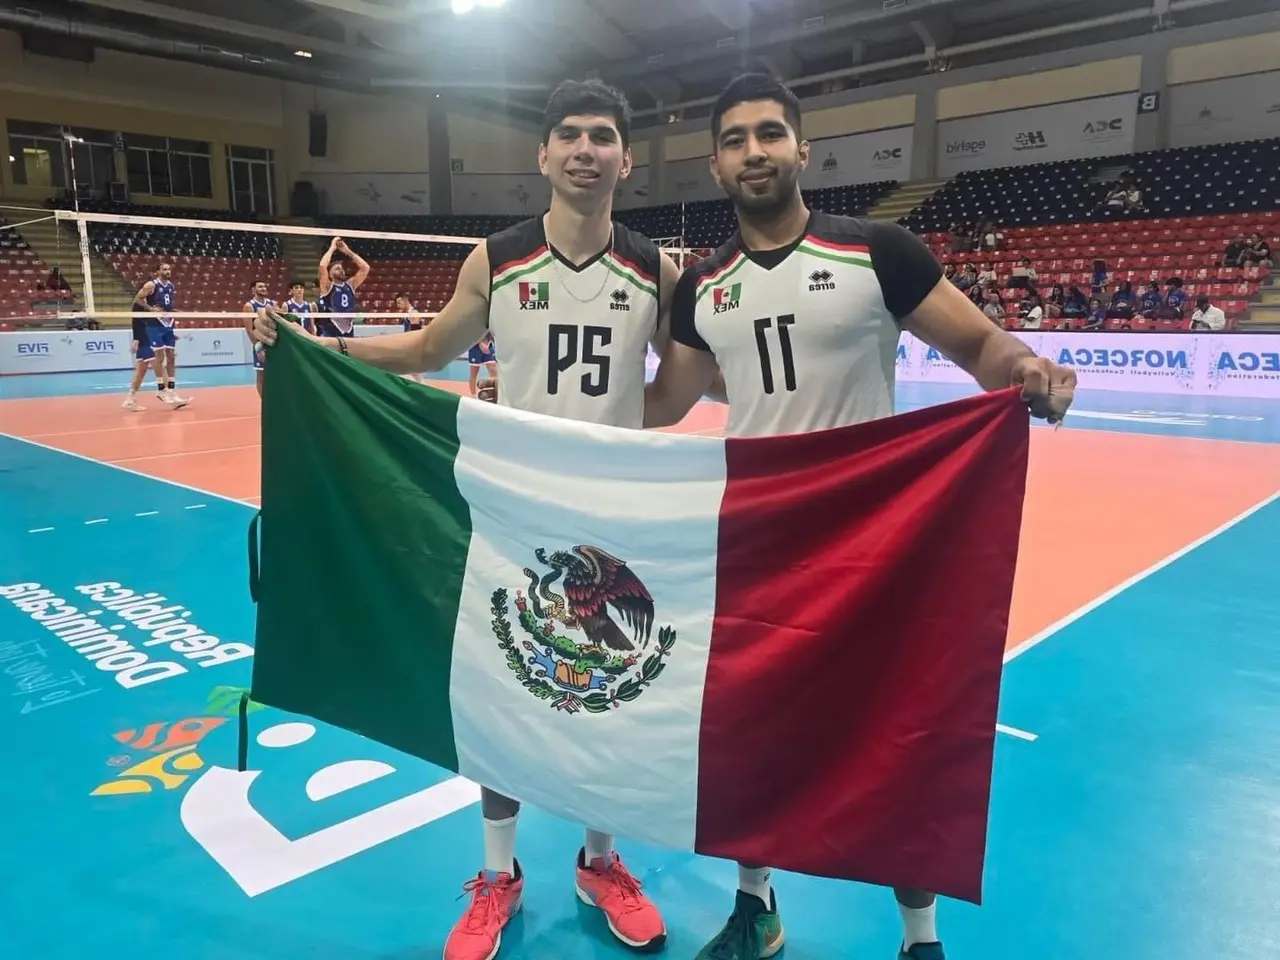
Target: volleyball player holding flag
542, 290
834, 294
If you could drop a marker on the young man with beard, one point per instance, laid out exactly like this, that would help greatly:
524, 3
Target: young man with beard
802, 311
543, 289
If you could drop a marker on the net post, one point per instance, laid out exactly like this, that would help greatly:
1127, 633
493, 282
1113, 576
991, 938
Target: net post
86, 267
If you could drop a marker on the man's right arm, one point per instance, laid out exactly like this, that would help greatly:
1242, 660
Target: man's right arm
687, 369
140, 299
462, 322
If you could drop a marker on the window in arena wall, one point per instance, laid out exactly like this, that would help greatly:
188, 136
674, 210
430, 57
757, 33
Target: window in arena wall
43, 156
168, 167
251, 176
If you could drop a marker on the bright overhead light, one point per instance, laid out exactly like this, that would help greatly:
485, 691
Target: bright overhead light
466, 6
302, 53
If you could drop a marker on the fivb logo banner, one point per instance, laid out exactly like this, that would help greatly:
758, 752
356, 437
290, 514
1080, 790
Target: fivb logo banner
64, 351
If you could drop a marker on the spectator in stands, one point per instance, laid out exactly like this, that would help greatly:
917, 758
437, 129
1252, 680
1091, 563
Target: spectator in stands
1114, 200
1100, 277
56, 281
978, 295
1075, 306
1174, 298
987, 275
961, 238
1257, 252
1231, 256
1207, 317
1031, 312
949, 271
1023, 276
1123, 303
1097, 315
993, 308
990, 237
1055, 302
967, 278
1152, 301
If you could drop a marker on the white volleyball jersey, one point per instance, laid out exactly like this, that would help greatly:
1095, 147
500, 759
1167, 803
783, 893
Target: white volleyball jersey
806, 336
572, 340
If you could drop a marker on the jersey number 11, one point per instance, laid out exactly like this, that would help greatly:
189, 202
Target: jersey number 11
783, 323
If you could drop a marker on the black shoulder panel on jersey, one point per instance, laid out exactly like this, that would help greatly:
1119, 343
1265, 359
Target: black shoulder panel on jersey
684, 301
905, 267
514, 243
638, 251
837, 229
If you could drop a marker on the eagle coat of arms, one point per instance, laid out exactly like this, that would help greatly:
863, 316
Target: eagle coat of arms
596, 663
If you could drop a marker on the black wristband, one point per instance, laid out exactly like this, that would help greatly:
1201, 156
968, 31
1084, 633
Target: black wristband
342, 346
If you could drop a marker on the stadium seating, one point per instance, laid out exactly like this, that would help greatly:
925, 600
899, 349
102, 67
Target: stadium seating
1195, 199
1190, 181
22, 279
213, 270
427, 271
1186, 247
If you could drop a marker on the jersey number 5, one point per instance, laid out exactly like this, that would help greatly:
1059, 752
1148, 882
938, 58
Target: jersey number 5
783, 324
563, 342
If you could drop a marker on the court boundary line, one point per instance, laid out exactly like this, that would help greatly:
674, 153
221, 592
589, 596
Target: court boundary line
1010, 655
136, 473
1036, 639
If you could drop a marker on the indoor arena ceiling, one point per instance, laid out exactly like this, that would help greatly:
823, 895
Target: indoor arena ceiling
669, 55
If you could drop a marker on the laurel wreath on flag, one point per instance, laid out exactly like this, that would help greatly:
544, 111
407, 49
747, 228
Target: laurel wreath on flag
596, 702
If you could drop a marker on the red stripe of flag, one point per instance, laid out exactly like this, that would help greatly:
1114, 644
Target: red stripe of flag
849, 711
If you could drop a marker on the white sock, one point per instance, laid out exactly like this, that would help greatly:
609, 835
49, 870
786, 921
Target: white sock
598, 845
500, 845
919, 926
756, 882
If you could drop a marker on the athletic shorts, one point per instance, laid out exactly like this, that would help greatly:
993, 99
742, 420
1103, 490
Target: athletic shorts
478, 358
162, 337
145, 353
327, 328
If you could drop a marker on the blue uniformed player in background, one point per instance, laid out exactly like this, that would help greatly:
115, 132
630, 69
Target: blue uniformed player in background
155, 299
339, 293
258, 300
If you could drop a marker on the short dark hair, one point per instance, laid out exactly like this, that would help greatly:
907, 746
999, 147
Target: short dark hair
297, 282
751, 87
587, 98
404, 296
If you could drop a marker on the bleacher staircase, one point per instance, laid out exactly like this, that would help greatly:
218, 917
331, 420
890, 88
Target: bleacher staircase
904, 198
60, 244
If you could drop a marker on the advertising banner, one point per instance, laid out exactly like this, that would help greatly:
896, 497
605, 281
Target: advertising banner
1219, 111
1193, 364
859, 158
80, 351
1096, 127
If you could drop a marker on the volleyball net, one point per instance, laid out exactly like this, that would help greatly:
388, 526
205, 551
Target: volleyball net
105, 258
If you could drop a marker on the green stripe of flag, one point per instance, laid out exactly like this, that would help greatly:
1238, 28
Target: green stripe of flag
322, 458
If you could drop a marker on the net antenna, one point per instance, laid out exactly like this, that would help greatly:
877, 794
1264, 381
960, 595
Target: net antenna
681, 255
80, 220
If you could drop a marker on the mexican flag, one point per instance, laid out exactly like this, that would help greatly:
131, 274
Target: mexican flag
780, 650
